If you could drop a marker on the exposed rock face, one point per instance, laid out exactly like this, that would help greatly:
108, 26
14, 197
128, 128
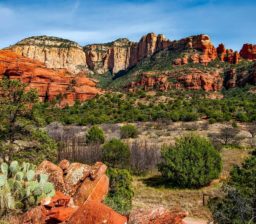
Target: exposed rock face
201, 43
196, 80
150, 80
227, 55
192, 79
157, 216
92, 212
241, 77
80, 181
122, 53
54, 52
248, 52
114, 56
84, 186
49, 83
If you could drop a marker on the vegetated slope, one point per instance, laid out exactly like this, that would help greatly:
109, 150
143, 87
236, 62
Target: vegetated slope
191, 63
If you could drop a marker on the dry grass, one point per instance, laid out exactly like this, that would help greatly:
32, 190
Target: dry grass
148, 196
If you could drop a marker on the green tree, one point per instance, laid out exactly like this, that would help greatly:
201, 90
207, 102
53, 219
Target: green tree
116, 154
128, 131
20, 134
120, 194
192, 162
95, 135
239, 202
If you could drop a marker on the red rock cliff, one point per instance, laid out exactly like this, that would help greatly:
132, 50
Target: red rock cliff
48, 82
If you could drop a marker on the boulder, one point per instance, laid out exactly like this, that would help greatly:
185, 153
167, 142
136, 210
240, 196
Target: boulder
157, 216
55, 174
93, 212
76, 173
95, 190
52, 210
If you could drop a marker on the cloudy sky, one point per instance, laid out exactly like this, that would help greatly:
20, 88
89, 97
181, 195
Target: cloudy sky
232, 22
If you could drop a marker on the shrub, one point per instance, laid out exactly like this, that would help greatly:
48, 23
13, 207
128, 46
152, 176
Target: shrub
120, 193
21, 136
129, 131
192, 162
20, 188
116, 154
95, 136
238, 203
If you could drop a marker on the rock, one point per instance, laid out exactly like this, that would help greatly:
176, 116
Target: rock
122, 54
49, 83
157, 216
55, 174
196, 79
52, 210
190, 79
248, 52
201, 43
93, 212
227, 55
240, 77
64, 164
54, 52
151, 80
36, 215
59, 214
58, 200
75, 175
95, 190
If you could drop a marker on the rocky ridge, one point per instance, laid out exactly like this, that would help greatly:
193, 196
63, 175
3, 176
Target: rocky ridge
49, 83
100, 58
55, 52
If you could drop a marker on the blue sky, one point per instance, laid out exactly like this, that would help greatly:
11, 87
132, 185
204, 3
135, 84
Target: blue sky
232, 22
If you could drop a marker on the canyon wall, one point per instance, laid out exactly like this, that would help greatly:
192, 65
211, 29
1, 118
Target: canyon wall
54, 52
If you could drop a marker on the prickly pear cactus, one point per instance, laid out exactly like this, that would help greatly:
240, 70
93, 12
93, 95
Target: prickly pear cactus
21, 188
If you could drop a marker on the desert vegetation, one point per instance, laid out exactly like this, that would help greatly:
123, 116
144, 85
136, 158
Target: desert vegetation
191, 159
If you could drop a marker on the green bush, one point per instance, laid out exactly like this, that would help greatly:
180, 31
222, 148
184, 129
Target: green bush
238, 203
95, 136
21, 136
116, 154
120, 194
21, 188
128, 131
192, 162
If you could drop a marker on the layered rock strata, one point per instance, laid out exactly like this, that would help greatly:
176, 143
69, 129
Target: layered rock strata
49, 83
54, 52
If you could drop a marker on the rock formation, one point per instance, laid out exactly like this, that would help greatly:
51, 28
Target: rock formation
201, 43
227, 55
190, 79
150, 80
196, 79
240, 77
248, 52
89, 184
54, 52
49, 83
80, 191
122, 54
100, 58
